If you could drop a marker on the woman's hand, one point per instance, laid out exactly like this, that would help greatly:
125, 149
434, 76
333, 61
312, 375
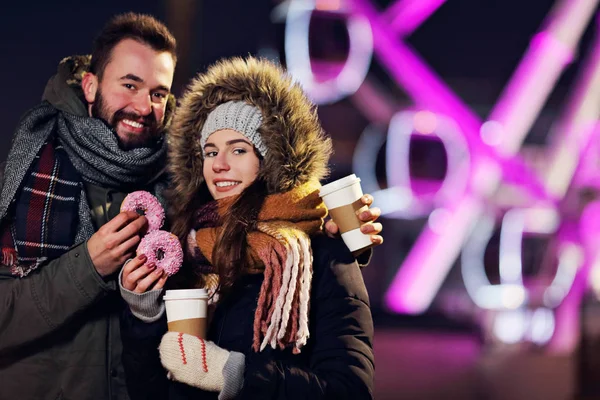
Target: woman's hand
194, 361
139, 277
368, 217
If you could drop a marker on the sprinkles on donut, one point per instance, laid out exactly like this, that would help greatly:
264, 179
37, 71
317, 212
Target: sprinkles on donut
163, 249
146, 204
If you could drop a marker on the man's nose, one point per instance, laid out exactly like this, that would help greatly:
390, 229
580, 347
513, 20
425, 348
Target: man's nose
143, 104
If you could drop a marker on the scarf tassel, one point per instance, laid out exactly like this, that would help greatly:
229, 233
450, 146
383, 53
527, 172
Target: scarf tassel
9, 257
289, 319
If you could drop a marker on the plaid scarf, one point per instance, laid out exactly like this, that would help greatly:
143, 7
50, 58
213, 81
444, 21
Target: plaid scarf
279, 248
44, 224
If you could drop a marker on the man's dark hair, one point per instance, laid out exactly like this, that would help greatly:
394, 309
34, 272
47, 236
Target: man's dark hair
143, 28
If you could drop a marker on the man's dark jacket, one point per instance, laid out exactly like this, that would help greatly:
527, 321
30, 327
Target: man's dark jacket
59, 325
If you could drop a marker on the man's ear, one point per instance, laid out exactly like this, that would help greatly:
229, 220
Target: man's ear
89, 85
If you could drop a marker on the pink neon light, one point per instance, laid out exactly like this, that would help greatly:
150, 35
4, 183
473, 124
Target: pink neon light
575, 135
411, 72
405, 16
423, 271
528, 89
415, 285
428, 263
425, 87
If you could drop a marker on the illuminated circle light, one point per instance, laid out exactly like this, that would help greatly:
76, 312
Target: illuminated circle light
393, 202
399, 201
297, 53
402, 127
510, 293
570, 259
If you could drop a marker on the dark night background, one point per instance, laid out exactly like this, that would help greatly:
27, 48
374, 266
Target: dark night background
473, 44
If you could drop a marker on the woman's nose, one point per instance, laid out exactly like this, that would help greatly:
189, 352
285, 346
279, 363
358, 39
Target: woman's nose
220, 163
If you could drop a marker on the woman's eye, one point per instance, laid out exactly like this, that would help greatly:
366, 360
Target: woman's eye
210, 154
239, 151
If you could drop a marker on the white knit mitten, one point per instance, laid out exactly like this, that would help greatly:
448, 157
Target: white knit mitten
193, 361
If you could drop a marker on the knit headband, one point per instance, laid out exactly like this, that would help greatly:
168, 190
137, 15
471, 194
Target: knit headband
239, 116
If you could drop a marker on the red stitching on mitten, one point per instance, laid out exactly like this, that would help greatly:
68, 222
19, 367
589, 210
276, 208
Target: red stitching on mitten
180, 340
204, 364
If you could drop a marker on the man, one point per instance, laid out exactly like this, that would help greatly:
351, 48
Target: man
98, 135
63, 238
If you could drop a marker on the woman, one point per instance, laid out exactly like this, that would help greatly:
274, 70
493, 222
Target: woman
292, 317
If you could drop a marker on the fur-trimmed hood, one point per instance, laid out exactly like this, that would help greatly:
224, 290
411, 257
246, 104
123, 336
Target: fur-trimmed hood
298, 149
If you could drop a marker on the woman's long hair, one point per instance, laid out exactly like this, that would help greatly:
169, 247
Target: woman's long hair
181, 222
230, 254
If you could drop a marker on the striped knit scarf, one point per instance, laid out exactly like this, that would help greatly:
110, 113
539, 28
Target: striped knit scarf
280, 249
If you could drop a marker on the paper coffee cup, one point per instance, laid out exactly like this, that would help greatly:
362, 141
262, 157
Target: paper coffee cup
187, 311
342, 199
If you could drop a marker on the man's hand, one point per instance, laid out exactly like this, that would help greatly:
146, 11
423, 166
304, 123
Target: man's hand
368, 217
139, 277
116, 241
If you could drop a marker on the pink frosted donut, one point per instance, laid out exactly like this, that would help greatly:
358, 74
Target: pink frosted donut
163, 249
145, 204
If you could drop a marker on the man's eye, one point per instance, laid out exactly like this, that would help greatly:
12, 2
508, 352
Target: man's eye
160, 96
129, 86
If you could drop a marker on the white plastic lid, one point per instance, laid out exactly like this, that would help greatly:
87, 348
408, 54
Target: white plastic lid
180, 294
339, 184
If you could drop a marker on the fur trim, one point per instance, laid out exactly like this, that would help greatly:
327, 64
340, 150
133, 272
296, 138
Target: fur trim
77, 65
298, 149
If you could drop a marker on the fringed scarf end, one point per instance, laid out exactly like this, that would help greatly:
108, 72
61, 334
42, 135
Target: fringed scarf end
21, 269
9, 257
288, 323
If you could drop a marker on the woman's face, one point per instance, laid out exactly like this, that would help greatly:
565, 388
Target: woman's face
230, 163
